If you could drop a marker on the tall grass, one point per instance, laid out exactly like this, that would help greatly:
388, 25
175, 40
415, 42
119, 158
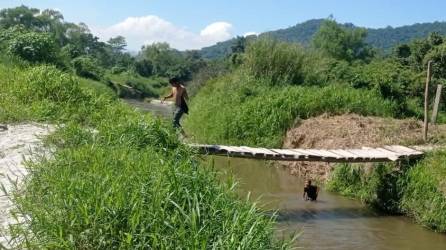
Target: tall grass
425, 194
241, 109
118, 179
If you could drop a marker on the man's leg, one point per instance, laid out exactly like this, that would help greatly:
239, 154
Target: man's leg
177, 117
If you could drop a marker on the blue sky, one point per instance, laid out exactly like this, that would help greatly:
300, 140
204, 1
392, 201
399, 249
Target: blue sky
194, 24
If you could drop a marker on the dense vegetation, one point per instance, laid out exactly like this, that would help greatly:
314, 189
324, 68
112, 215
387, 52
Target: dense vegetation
383, 39
34, 37
415, 190
272, 83
116, 179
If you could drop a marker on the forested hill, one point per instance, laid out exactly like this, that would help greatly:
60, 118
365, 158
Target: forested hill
382, 38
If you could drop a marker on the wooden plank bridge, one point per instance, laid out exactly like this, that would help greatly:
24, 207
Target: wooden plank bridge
364, 154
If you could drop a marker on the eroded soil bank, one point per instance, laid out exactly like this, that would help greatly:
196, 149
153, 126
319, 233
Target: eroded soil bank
351, 131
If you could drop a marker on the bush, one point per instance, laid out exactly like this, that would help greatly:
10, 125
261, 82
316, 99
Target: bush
418, 191
425, 194
280, 62
378, 186
33, 47
87, 67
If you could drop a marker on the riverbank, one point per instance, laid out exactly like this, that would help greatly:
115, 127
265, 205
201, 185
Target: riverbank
117, 178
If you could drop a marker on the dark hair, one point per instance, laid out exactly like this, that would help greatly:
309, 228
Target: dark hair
174, 80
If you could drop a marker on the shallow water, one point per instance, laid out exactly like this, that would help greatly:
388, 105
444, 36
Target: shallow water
333, 222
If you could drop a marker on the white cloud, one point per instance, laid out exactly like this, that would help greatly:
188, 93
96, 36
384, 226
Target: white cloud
149, 29
251, 33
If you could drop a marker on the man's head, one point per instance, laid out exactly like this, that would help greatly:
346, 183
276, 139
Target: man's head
174, 81
307, 182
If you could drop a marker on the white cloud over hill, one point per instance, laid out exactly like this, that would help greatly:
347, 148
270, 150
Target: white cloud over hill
149, 29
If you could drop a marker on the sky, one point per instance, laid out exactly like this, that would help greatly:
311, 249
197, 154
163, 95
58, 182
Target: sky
195, 24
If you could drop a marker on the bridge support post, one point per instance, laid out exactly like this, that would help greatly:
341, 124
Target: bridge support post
426, 100
436, 104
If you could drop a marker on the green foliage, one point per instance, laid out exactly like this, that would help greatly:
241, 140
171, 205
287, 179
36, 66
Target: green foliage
416, 190
424, 197
87, 67
240, 109
33, 47
438, 56
45, 93
281, 62
117, 179
151, 87
342, 43
379, 185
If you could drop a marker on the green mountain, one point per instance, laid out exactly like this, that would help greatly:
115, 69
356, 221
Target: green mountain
382, 38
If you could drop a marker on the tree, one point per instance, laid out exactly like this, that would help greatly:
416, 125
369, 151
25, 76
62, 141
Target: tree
33, 47
342, 43
117, 44
21, 15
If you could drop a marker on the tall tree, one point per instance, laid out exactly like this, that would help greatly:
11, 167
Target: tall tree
117, 44
342, 43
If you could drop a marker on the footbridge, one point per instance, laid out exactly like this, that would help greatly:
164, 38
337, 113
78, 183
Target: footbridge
364, 154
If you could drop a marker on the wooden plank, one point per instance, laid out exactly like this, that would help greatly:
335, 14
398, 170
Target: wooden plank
344, 153
322, 154
359, 153
269, 152
402, 149
290, 154
330, 154
436, 104
382, 153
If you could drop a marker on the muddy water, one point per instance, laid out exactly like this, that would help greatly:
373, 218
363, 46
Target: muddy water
333, 222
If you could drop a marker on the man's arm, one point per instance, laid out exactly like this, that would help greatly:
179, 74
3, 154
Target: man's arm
168, 96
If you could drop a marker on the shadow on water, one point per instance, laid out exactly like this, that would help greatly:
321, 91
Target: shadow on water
333, 222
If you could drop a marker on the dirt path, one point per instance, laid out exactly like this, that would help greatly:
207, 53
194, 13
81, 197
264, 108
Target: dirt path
17, 143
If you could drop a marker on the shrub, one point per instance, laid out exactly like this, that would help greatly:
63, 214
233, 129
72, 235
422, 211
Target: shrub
33, 47
87, 67
424, 197
279, 61
379, 186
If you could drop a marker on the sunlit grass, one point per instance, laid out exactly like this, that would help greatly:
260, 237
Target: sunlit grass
117, 179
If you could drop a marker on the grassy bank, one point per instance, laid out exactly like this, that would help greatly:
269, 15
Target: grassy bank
240, 109
415, 190
117, 179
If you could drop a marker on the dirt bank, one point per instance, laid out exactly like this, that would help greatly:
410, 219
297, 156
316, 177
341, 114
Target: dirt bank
17, 142
351, 131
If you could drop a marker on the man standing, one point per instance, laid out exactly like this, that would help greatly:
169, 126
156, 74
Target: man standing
180, 96
310, 191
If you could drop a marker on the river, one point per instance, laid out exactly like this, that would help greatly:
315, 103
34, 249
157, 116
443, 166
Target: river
333, 222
